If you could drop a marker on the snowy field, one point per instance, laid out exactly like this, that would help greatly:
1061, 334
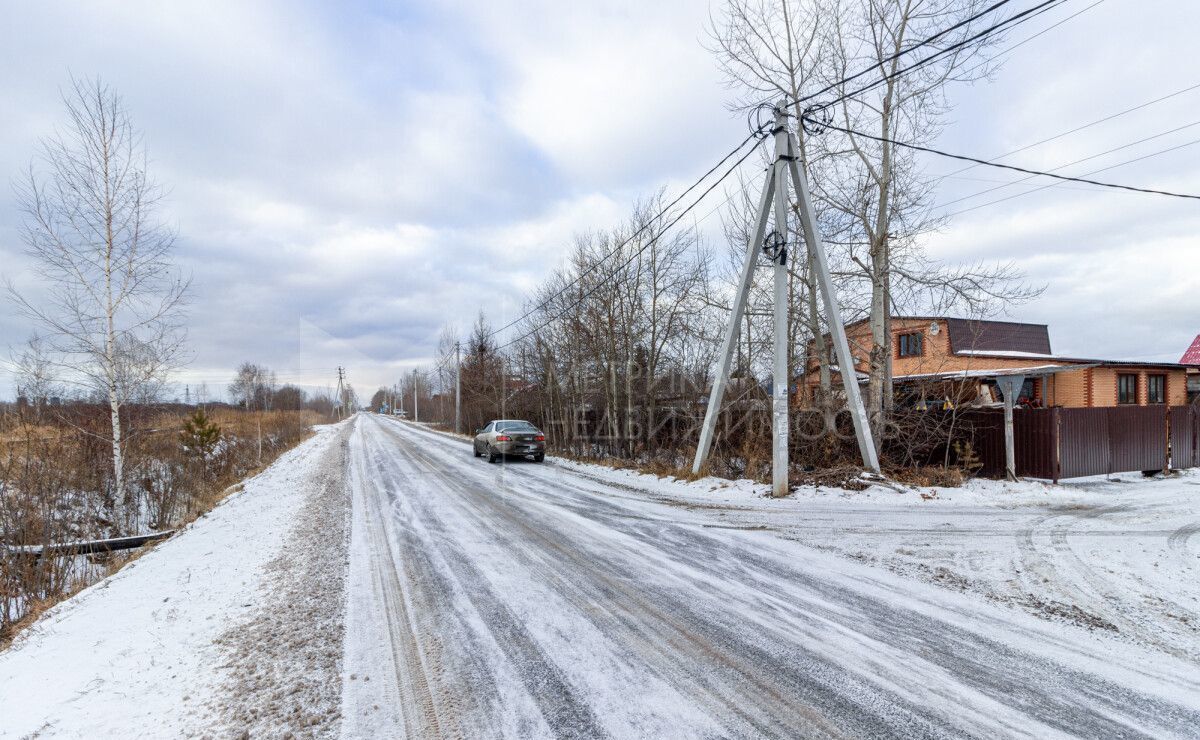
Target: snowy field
379, 581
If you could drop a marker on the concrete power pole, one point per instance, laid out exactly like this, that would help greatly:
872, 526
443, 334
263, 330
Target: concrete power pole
774, 246
458, 387
341, 395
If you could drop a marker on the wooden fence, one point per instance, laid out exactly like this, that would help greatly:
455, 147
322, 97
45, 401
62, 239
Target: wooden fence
1071, 443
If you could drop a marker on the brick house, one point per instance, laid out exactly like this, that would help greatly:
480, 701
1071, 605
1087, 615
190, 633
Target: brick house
937, 359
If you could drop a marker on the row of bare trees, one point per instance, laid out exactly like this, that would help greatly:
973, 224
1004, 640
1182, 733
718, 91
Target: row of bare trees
256, 387
616, 355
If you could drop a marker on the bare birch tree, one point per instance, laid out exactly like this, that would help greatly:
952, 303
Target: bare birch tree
112, 312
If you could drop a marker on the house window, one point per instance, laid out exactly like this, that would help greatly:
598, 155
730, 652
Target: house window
910, 345
1156, 389
1127, 388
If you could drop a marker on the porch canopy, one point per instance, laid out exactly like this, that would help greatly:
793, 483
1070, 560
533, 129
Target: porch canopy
1036, 371
1009, 380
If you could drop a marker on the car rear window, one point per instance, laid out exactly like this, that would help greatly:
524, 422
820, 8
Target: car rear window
516, 426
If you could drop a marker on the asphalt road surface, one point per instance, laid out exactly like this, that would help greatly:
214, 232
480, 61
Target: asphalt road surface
526, 600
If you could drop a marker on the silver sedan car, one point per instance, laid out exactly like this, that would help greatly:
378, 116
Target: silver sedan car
510, 437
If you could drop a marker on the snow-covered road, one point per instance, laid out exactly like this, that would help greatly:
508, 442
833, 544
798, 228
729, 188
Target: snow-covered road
379, 581
525, 600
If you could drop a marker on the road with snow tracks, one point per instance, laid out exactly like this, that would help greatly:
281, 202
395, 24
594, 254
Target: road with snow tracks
526, 600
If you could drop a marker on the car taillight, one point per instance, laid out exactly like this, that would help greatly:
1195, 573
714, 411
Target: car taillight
540, 438
503, 438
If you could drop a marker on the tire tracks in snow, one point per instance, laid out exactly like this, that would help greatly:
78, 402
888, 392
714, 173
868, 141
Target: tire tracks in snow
1024, 682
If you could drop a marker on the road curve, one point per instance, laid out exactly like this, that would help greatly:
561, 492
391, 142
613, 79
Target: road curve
526, 600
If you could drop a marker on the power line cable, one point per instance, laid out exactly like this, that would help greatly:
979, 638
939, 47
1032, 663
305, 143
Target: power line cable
631, 257
1014, 168
1012, 21
1069, 164
953, 175
650, 222
902, 52
1027, 39
1093, 172
1077, 129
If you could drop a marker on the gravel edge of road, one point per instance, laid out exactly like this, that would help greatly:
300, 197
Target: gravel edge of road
281, 667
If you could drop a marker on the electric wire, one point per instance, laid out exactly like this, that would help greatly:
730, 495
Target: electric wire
637, 253
1077, 129
1027, 39
1013, 168
1088, 158
1160, 152
906, 50
638, 232
1012, 21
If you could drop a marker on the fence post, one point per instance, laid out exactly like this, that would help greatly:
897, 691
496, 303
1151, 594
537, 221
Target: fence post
1167, 439
1056, 422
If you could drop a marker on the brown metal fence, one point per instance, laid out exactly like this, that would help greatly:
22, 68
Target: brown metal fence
1071, 443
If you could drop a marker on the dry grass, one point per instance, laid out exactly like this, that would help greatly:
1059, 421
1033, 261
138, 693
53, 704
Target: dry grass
931, 475
55, 486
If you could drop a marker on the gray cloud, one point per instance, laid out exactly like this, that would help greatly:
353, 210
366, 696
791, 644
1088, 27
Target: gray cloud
346, 178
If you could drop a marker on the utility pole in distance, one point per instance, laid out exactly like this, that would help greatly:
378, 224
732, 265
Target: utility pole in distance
341, 392
458, 387
416, 414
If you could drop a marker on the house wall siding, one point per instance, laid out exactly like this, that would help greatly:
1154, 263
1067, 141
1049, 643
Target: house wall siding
1105, 385
1070, 389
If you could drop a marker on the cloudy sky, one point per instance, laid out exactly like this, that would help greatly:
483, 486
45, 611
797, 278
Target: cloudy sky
347, 177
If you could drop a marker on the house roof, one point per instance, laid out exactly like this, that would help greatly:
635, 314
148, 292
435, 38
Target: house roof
1075, 362
987, 335
1192, 356
997, 336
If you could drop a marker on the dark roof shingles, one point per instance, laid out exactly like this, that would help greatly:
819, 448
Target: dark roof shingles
997, 336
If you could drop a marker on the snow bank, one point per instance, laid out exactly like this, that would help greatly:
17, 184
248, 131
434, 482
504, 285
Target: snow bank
135, 652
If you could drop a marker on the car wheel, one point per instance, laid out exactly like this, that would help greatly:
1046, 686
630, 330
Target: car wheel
539, 457
492, 455
475, 450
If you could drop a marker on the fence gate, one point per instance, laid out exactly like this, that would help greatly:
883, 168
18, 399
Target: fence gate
1185, 437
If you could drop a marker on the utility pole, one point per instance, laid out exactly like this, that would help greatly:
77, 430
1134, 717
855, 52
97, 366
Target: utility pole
774, 245
416, 414
777, 252
458, 387
341, 395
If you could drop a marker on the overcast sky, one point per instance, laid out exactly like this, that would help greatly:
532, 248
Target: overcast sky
346, 177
